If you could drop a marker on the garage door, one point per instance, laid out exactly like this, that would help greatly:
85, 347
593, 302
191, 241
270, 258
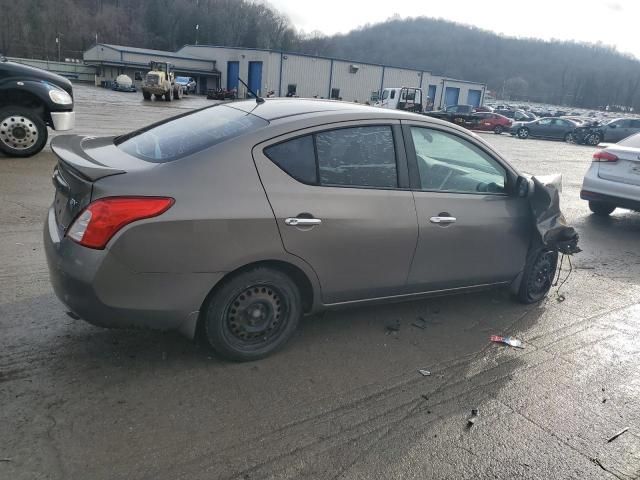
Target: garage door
233, 70
451, 95
474, 97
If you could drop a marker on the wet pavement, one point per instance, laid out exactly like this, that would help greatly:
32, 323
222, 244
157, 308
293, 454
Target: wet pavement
344, 398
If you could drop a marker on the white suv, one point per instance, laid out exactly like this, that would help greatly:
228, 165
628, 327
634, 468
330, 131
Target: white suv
613, 180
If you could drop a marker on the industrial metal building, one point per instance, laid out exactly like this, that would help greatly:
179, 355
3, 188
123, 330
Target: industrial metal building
283, 73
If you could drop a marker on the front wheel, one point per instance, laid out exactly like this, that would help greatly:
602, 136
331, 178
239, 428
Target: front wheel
570, 138
146, 95
594, 139
538, 275
22, 132
498, 129
523, 133
252, 315
603, 209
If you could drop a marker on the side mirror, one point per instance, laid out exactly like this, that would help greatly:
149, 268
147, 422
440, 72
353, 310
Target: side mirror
524, 187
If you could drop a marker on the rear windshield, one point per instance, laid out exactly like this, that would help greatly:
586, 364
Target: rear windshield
185, 135
633, 141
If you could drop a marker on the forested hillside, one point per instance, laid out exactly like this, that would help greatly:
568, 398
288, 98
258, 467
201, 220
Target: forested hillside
522, 69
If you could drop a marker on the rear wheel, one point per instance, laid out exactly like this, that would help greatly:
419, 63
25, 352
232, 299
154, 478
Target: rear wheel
523, 132
570, 138
22, 132
498, 129
252, 315
538, 275
601, 208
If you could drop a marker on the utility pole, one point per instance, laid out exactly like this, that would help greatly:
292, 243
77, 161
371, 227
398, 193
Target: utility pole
197, 28
58, 42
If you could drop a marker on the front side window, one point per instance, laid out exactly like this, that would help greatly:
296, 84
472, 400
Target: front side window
359, 156
448, 163
385, 94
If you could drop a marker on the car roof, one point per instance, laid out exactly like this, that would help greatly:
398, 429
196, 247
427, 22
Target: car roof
277, 108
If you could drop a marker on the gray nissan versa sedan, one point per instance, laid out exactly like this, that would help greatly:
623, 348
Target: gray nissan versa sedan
235, 220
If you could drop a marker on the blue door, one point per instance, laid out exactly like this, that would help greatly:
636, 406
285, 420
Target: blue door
474, 97
451, 95
432, 92
255, 76
233, 70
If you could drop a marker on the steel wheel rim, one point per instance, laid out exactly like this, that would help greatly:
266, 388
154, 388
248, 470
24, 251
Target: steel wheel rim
542, 274
18, 132
256, 316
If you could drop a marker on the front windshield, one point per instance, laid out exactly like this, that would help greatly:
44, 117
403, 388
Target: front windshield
182, 80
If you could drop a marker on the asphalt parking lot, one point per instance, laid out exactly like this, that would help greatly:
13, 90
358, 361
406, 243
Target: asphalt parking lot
344, 398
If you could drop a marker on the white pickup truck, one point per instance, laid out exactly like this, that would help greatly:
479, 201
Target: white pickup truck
401, 98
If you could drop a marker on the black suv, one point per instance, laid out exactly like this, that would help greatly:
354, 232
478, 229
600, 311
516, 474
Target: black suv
30, 100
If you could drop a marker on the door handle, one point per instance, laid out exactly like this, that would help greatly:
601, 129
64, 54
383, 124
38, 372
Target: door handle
302, 222
443, 220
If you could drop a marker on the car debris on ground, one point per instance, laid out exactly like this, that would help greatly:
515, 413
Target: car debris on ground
424, 373
475, 414
511, 341
617, 434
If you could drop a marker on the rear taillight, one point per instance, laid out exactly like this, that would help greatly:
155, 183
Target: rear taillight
604, 157
102, 219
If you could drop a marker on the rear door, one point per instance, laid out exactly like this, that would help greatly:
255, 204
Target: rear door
341, 201
471, 231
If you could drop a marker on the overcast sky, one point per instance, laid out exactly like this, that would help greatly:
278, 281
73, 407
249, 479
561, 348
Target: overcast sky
612, 22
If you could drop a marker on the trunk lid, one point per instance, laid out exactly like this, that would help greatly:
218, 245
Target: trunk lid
625, 170
81, 162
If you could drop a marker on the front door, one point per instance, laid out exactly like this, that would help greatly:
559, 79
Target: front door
471, 231
342, 203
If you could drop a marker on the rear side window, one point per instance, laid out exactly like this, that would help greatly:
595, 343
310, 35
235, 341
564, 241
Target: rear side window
188, 134
296, 157
360, 156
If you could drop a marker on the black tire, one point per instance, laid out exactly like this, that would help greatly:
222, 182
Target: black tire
538, 275
146, 95
252, 314
23, 132
594, 139
523, 133
570, 138
498, 129
601, 208
168, 96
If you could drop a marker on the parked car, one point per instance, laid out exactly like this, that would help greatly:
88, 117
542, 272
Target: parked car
552, 128
458, 114
31, 100
492, 122
613, 179
517, 115
483, 108
263, 212
618, 129
188, 84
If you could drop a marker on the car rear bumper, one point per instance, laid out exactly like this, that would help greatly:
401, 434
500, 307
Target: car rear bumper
621, 195
63, 120
94, 285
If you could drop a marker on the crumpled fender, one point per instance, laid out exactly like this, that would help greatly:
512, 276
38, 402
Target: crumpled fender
551, 225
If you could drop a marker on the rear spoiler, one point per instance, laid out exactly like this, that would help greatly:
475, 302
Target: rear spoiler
70, 150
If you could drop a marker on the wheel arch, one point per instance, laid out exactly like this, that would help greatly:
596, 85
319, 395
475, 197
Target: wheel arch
24, 98
297, 274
